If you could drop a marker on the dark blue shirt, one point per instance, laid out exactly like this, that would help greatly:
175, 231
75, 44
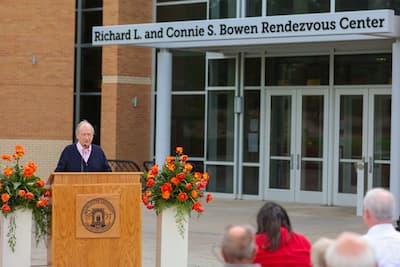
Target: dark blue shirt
72, 161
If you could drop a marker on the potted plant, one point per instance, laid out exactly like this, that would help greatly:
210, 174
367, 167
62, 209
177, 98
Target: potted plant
22, 190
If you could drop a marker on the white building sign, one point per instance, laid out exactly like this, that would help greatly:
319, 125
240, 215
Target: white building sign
375, 22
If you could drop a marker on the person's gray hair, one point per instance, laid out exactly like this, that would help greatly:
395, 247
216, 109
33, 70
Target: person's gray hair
238, 246
380, 204
350, 250
84, 122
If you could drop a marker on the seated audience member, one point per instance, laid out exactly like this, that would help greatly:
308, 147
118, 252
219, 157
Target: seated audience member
238, 246
318, 251
382, 236
350, 250
277, 244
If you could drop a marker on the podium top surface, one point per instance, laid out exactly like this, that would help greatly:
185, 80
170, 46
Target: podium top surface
94, 177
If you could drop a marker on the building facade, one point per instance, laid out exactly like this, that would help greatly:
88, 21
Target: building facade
275, 99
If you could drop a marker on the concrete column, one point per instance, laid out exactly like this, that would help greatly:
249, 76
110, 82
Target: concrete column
163, 108
395, 128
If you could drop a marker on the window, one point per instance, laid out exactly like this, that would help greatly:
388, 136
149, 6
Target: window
345, 5
188, 71
220, 125
221, 9
187, 124
221, 72
307, 70
181, 12
363, 69
88, 65
253, 8
288, 7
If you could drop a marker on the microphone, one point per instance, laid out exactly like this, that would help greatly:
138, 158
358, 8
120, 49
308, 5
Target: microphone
82, 168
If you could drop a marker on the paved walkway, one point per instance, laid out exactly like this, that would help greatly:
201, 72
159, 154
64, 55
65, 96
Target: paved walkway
206, 231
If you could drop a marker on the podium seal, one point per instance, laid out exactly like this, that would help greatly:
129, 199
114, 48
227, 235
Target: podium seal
98, 215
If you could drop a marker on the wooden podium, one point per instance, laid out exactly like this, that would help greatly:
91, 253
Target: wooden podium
96, 219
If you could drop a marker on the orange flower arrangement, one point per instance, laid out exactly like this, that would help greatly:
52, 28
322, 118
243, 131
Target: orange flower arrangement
20, 188
175, 185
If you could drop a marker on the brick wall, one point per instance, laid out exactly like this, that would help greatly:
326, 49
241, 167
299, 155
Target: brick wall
127, 72
36, 97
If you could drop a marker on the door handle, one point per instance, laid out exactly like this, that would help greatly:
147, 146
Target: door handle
370, 167
298, 161
291, 161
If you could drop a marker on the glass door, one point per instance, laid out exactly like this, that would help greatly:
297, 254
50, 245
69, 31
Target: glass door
362, 133
296, 126
280, 160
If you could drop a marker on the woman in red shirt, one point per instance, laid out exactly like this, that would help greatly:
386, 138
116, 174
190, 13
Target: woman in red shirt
277, 244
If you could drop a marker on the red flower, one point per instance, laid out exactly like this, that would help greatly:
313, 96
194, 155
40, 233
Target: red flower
194, 194
47, 193
197, 206
145, 199
29, 195
170, 166
5, 208
165, 195
179, 150
40, 183
188, 167
150, 183
154, 169
19, 150
8, 171
175, 181
6, 157
170, 160
188, 186
150, 206
184, 158
180, 176
5, 197
197, 175
21, 193
28, 171
209, 197
182, 196
166, 187
42, 202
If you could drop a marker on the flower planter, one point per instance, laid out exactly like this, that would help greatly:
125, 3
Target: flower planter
21, 256
172, 243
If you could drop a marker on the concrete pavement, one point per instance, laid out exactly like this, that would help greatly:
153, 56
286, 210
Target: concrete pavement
205, 232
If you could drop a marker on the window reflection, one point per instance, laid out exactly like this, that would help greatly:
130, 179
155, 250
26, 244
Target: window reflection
287, 7
196, 11
222, 179
253, 8
221, 72
91, 69
250, 180
346, 5
251, 127
188, 71
220, 126
221, 9
363, 69
307, 70
187, 125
